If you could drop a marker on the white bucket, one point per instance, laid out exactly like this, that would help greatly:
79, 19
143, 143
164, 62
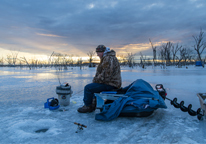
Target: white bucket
64, 93
64, 100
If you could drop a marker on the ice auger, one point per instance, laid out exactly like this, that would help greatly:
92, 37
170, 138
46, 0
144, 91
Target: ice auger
199, 113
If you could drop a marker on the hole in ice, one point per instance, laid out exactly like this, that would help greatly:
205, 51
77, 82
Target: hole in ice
63, 109
41, 130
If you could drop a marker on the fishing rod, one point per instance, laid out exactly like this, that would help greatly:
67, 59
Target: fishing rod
199, 113
80, 126
53, 105
57, 74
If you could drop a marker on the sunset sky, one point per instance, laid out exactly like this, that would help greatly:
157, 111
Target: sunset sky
39, 27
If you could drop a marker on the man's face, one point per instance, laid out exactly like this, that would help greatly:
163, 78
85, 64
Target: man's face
100, 54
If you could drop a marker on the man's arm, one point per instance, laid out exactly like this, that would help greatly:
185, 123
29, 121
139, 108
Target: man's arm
106, 72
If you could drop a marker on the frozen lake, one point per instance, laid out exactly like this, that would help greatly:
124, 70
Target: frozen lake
24, 92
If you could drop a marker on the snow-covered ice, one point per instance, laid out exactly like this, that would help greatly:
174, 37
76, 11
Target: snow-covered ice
23, 93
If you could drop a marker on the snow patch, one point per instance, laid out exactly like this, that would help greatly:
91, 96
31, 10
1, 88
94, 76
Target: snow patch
25, 129
23, 113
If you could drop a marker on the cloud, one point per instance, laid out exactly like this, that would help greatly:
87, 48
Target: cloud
90, 6
48, 35
79, 26
153, 5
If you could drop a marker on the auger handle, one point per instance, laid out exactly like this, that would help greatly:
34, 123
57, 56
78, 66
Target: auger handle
159, 86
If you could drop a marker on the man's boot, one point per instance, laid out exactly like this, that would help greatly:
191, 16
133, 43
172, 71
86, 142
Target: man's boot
94, 103
85, 109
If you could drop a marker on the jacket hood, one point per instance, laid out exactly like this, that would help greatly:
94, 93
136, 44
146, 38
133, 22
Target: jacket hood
110, 53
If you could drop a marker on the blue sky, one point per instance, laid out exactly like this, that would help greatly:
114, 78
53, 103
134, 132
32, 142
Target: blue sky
78, 26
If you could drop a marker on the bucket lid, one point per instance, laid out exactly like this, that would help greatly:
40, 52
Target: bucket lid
62, 87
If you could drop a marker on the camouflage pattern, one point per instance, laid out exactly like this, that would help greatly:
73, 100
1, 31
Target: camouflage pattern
108, 71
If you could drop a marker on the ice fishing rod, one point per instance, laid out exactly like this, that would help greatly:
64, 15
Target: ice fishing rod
199, 113
53, 105
80, 126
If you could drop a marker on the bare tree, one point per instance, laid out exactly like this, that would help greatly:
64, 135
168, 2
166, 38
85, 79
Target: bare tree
9, 59
69, 60
23, 59
33, 62
189, 55
79, 62
130, 59
49, 61
200, 45
168, 47
64, 61
149, 61
142, 60
161, 54
182, 55
122, 59
58, 58
185, 54
91, 54
14, 56
174, 51
165, 52
41, 63
154, 49
2, 61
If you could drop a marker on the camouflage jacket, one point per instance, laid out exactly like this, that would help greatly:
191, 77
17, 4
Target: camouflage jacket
108, 71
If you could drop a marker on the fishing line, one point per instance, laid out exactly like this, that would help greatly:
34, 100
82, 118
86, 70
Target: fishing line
57, 74
80, 126
78, 92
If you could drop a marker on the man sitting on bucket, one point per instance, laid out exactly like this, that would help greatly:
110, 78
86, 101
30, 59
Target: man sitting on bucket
107, 78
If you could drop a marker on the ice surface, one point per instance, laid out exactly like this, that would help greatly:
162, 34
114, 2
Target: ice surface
24, 92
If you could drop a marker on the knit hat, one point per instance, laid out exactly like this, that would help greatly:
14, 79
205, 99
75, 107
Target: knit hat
100, 48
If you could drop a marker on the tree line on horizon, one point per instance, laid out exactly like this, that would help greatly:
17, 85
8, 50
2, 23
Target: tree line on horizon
167, 54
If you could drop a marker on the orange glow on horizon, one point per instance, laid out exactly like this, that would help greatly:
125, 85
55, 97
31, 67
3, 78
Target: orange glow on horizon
130, 48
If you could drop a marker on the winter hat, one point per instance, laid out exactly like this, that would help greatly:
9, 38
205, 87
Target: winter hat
100, 48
